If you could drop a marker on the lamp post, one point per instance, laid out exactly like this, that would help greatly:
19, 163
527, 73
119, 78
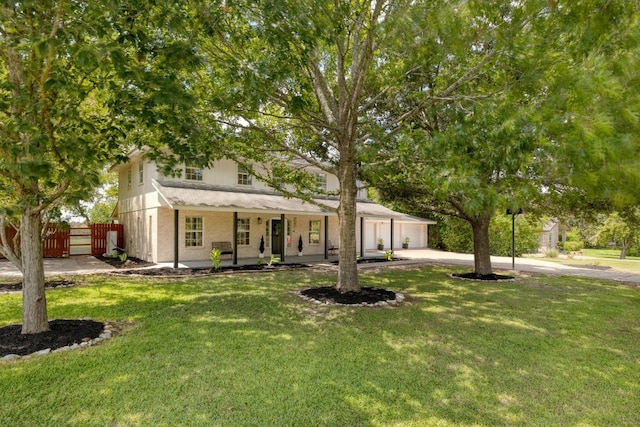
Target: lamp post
513, 214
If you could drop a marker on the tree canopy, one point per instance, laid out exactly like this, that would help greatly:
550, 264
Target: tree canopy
520, 129
79, 83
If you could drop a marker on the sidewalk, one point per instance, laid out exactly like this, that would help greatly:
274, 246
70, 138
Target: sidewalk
89, 265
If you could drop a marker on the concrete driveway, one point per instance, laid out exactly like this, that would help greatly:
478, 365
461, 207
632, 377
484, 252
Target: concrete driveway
89, 265
61, 266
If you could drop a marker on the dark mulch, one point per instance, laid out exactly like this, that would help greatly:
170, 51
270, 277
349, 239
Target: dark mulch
487, 277
130, 262
63, 333
49, 284
331, 295
170, 272
372, 260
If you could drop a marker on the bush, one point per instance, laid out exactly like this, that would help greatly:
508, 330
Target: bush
456, 235
573, 246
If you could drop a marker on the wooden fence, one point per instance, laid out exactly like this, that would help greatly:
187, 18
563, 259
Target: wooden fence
90, 240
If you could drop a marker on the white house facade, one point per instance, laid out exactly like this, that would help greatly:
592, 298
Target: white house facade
175, 219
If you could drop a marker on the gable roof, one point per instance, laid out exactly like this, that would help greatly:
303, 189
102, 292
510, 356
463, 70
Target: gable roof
196, 196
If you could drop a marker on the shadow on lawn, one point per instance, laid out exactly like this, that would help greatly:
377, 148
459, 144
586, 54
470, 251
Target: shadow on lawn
237, 351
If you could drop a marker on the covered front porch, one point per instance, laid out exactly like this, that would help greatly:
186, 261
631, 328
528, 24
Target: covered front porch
249, 222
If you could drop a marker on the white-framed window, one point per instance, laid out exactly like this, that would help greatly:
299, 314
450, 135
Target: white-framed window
244, 178
321, 180
244, 231
193, 231
192, 173
129, 179
314, 232
140, 173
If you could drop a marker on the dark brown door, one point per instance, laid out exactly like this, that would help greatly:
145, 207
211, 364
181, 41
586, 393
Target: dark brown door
276, 236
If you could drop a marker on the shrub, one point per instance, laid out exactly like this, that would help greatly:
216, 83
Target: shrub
573, 246
215, 257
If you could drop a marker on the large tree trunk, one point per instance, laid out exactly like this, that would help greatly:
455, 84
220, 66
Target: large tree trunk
348, 265
34, 303
481, 249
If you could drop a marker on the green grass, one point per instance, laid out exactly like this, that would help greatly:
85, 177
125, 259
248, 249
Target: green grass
245, 351
602, 257
606, 253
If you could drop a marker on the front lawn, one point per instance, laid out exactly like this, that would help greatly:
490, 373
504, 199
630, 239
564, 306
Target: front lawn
244, 350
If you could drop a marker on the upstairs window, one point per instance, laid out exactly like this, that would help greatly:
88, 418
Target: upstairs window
243, 176
321, 180
192, 173
140, 173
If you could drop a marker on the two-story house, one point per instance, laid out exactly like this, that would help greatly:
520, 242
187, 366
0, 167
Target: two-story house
176, 219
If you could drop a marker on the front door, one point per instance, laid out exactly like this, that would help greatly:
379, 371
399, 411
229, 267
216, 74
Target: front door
276, 236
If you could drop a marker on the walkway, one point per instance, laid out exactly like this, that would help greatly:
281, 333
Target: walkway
90, 265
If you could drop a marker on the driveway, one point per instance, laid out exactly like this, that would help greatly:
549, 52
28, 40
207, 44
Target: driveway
532, 265
90, 265
61, 266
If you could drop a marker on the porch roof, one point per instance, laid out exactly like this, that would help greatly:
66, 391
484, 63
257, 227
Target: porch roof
195, 196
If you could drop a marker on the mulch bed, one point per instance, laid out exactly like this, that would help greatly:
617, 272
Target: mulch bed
49, 284
184, 272
482, 277
130, 262
366, 296
63, 333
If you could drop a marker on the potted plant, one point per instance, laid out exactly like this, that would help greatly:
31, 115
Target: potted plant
380, 244
261, 248
405, 243
300, 246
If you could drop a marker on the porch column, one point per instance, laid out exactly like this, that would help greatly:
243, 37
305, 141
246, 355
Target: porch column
326, 237
283, 237
361, 237
391, 234
176, 224
235, 238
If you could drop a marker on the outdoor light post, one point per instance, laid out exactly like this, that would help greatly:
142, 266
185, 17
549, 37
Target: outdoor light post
513, 235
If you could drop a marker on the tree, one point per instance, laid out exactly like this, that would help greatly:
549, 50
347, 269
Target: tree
290, 81
621, 228
470, 144
501, 139
98, 206
79, 82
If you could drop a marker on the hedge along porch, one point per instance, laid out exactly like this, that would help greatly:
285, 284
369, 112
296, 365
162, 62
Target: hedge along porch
186, 219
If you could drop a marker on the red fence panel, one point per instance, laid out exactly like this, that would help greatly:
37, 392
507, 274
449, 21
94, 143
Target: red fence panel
99, 234
56, 244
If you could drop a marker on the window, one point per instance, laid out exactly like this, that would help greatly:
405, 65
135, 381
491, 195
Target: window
243, 176
192, 173
193, 228
129, 179
243, 231
321, 180
140, 173
314, 232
